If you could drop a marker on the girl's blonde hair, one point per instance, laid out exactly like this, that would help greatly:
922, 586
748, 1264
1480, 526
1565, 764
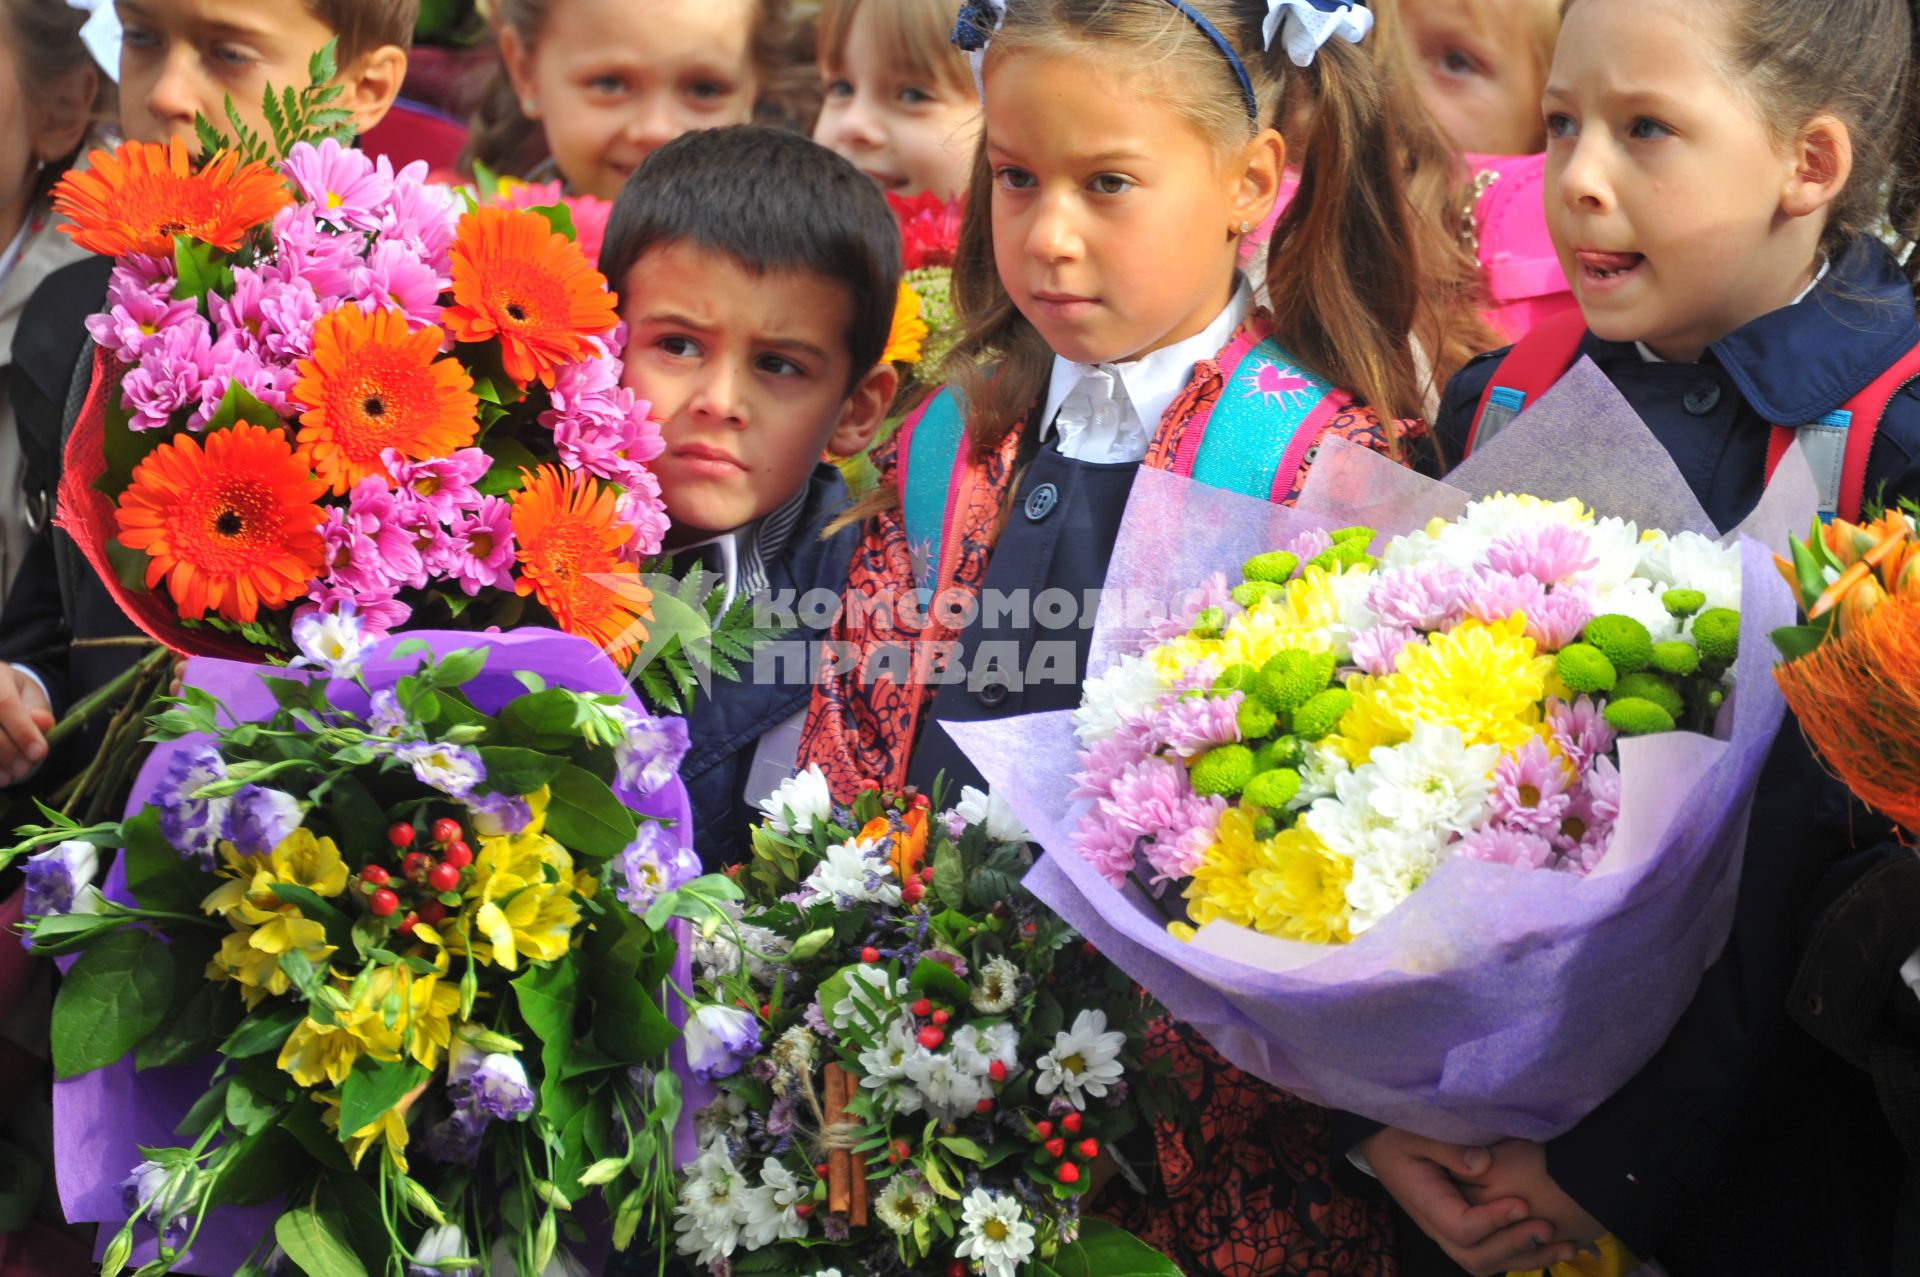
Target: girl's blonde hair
43, 41
914, 35
507, 142
1356, 271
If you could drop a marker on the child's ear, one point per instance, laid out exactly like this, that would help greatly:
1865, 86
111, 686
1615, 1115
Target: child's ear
66, 113
1822, 162
1257, 183
372, 81
517, 59
865, 410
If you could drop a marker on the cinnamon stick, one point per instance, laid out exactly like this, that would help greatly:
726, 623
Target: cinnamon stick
839, 1161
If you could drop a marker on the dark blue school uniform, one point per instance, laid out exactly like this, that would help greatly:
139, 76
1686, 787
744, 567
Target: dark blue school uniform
1742, 1147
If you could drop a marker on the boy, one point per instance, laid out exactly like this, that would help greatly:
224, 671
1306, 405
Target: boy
758, 274
178, 58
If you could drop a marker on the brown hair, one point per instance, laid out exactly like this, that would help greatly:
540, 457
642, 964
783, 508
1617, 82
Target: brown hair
365, 25
507, 142
1345, 273
43, 39
915, 36
1855, 61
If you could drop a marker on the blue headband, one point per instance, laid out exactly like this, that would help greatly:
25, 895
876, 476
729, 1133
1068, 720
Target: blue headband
1303, 25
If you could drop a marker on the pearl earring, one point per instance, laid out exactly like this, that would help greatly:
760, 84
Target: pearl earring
1245, 227
529, 107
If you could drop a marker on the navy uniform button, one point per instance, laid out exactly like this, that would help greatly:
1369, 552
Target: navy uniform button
992, 695
1041, 500
1702, 400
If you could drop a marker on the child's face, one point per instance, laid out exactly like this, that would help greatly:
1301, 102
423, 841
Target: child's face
611, 81
1665, 188
748, 374
909, 135
1478, 72
1112, 214
182, 57
37, 126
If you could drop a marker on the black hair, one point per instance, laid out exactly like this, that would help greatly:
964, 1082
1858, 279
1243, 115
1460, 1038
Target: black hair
772, 201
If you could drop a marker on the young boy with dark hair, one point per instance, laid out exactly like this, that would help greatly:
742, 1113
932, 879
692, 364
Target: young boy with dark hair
758, 275
178, 59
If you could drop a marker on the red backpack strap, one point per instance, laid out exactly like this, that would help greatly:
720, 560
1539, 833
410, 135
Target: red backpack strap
1838, 445
1527, 371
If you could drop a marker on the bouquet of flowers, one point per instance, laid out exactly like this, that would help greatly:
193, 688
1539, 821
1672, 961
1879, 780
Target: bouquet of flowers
1852, 672
326, 386
918, 1066
385, 945
1438, 747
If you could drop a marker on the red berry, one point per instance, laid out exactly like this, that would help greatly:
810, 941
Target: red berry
766, 1010
405, 926
400, 835
926, 875
415, 864
942, 1016
803, 1209
821, 1169
923, 1008
433, 913
443, 877
446, 830
375, 874
1029, 929
1056, 1147
1068, 1173
956, 1268
458, 854
869, 955
902, 1150
1091, 949
983, 1105
997, 1071
382, 903
1043, 1130
1088, 1148
1071, 1123
931, 1038
912, 890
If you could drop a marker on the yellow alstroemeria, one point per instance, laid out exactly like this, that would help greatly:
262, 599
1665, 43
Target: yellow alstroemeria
520, 900
301, 860
256, 971
316, 1053
532, 923
388, 1130
400, 1013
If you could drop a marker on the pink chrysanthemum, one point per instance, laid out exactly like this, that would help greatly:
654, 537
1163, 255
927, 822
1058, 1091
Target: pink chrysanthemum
380, 612
1214, 591
1177, 850
306, 250
231, 361
377, 511
1504, 845
1530, 789
1377, 651
482, 548
1192, 725
1148, 796
1495, 596
289, 314
641, 509
1101, 765
1547, 552
1581, 731
340, 183
419, 213
353, 561
1107, 848
1308, 544
1425, 596
394, 276
1557, 619
170, 374
135, 317
443, 484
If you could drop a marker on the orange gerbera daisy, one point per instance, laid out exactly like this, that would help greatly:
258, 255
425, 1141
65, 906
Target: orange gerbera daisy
518, 279
231, 526
372, 384
569, 552
136, 199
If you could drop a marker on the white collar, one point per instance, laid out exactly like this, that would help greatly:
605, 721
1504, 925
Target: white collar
1646, 352
1156, 379
10, 256
728, 546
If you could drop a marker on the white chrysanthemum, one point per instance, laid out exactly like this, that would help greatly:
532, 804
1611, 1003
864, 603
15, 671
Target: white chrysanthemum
1433, 781
769, 1208
1638, 598
998, 987
858, 871
718, 955
950, 1092
1085, 1060
901, 1204
1320, 772
977, 808
1127, 690
1001, 1042
1382, 881
791, 809
1352, 825
1616, 548
975, 1051
1410, 549
712, 1208
1690, 561
870, 987
994, 1233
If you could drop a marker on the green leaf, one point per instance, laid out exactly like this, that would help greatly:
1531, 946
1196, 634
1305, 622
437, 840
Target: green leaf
950, 881
961, 1146
202, 1012
313, 1241
1796, 641
509, 457
512, 770
263, 1031
559, 218
585, 817
1106, 1251
357, 819
549, 997
339, 926
373, 1088
248, 1111
459, 667
208, 1109
212, 141
545, 720
116, 994
937, 980
260, 1168
237, 405
324, 64
320, 1144
627, 1020
200, 269
158, 876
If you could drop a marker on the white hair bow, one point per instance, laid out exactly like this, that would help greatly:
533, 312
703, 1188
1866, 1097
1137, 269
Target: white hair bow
101, 34
1305, 25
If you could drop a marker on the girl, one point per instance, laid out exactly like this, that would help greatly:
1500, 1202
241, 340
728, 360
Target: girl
1128, 147
49, 99
1481, 65
586, 89
900, 99
1719, 181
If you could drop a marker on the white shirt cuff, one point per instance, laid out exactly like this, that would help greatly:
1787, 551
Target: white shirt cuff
1910, 972
38, 682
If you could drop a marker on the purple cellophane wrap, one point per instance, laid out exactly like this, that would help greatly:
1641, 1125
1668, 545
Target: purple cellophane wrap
1495, 1002
101, 1119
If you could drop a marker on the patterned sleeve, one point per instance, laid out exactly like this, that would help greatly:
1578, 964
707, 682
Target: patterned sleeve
1404, 441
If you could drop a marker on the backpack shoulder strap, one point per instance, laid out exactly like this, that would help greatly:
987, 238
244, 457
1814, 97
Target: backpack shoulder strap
1527, 371
931, 451
1255, 437
1838, 445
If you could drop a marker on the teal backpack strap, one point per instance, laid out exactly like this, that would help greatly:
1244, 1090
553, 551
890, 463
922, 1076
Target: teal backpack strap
930, 453
1255, 438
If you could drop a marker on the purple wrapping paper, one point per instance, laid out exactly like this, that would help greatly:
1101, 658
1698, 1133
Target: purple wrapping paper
103, 1118
1495, 1002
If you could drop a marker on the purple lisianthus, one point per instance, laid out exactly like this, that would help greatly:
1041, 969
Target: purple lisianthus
262, 819
496, 815
57, 879
653, 864
170, 374
334, 641
496, 1085
340, 183
194, 826
720, 1040
135, 317
447, 768
482, 547
650, 754
388, 718
455, 1139
146, 1192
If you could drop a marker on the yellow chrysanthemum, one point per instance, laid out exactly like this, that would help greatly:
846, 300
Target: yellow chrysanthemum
1304, 619
1291, 885
317, 1053
1485, 680
1221, 889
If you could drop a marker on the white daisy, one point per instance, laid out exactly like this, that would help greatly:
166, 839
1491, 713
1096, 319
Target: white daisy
901, 1203
994, 1233
1085, 1060
791, 809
